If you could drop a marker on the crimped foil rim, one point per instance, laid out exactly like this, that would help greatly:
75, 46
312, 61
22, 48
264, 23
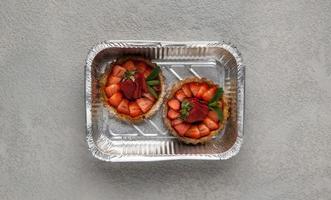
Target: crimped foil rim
234, 150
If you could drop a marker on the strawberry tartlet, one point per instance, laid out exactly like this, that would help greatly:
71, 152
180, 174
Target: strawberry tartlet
195, 110
132, 88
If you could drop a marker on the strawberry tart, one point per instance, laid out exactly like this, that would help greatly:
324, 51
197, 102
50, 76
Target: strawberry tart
132, 88
195, 110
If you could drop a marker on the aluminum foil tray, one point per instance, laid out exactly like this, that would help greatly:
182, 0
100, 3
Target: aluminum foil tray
112, 140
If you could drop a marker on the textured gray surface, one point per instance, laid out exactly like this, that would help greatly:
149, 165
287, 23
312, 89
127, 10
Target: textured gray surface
286, 46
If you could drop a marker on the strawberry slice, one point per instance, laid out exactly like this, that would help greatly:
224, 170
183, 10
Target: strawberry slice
213, 116
176, 122
203, 88
187, 91
148, 96
194, 88
204, 130
112, 89
140, 79
118, 71
115, 99
147, 72
174, 104
141, 67
180, 95
193, 132
144, 104
123, 107
210, 123
181, 128
129, 65
209, 94
113, 80
134, 109
172, 114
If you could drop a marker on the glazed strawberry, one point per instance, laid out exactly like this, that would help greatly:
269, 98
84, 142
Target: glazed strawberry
134, 109
203, 88
141, 67
127, 88
213, 116
180, 95
113, 80
123, 107
144, 104
194, 88
148, 96
129, 65
198, 111
118, 71
208, 95
204, 130
174, 104
140, 79
147, 72
193, 132
176, 121
210, 123
182, 128
187, 91
112, 89
172, 114
115, 99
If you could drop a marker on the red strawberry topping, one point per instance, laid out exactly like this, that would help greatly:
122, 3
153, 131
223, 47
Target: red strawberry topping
198, 112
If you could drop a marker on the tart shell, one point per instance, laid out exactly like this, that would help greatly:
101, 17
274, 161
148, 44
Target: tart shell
171, 94
113, 110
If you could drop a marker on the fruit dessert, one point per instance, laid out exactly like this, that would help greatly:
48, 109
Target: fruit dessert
195, 110
132, 88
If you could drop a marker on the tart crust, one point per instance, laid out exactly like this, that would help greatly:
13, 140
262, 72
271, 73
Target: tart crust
171, 94
113, 110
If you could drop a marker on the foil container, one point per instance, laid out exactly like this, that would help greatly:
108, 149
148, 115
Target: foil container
112, 140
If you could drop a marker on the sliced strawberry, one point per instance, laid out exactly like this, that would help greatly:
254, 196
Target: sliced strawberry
141, 67
148, 96
123, 107
181, 128
176, 122
134, 109
193, 132
118, 71
147, 72
172, 114
129, 65
115, 99
204, 130
112, 89
180, 95
140, 79
210, 123
174, 104
144, 104
213, 116
203, 88
209, 94
187, 91
194, 88
113, 80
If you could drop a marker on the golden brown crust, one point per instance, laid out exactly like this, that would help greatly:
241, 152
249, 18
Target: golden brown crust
124, 117
167, 122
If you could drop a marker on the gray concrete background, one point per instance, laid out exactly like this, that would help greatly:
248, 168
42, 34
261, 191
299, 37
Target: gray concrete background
286, 46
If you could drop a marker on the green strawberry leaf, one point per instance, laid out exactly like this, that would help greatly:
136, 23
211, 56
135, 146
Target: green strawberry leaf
219, 113
152, 91
154, 73
217, 95
153, 82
